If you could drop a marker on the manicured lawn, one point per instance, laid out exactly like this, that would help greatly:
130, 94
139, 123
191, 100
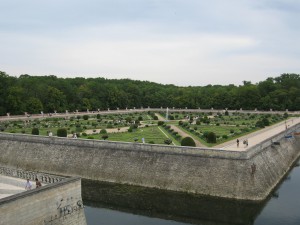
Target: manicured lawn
150, 134
226, 127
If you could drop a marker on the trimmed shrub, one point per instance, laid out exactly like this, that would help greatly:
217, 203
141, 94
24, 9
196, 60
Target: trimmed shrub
211, 137
90, 137
168, 141
62, 132
224, 136
85, 117
260, 124
104, 137
188, 141
160, 123
266, 121
171, 117
35, 131
103, 131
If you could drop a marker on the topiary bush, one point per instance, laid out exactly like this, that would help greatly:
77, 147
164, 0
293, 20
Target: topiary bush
211, 137
35, 131
160, 123
266, 122
62, 132
168, 141
188, 141
104, 137
103, 131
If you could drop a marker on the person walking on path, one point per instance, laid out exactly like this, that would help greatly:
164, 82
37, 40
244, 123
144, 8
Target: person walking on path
37, 183
28, 185
237, 142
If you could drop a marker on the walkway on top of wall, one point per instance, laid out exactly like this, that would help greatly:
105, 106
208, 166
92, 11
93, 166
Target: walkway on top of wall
12, 185
258, 136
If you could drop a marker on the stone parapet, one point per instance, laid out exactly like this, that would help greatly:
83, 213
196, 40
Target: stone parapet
55, 203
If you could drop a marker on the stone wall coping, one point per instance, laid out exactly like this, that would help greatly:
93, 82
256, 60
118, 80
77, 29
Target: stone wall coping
153, 148
38, 190
124, 111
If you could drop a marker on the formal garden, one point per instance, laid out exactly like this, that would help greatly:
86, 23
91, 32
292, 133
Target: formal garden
207, 128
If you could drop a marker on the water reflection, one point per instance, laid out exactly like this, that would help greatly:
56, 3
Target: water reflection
113, 204
174, 206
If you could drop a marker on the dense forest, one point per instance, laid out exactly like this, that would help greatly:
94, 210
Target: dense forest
34, 94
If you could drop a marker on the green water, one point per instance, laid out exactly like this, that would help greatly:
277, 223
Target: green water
110, 204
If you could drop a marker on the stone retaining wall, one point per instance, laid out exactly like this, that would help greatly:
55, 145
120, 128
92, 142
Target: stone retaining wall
56, 203
240, 175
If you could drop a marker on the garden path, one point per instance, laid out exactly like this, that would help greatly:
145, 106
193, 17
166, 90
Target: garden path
184, 134
258, 136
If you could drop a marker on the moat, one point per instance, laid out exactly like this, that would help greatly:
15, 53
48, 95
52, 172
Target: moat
121, 205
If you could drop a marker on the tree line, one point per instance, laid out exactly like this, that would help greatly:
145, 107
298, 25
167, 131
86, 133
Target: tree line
34, 94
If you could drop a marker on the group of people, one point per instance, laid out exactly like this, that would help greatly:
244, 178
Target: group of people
28, 185
245, 142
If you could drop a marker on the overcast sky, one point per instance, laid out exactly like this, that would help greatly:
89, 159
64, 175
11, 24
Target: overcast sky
181, 42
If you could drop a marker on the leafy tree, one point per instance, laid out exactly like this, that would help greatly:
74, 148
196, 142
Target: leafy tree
188, 141
55, 100
48, 93
33, 105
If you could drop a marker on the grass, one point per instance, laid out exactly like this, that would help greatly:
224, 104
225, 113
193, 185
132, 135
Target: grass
150, 134
232, 126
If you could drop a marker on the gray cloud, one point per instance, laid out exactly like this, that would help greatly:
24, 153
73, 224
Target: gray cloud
186, 42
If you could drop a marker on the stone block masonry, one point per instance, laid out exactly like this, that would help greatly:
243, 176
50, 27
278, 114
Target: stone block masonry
249, 175
56, 203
